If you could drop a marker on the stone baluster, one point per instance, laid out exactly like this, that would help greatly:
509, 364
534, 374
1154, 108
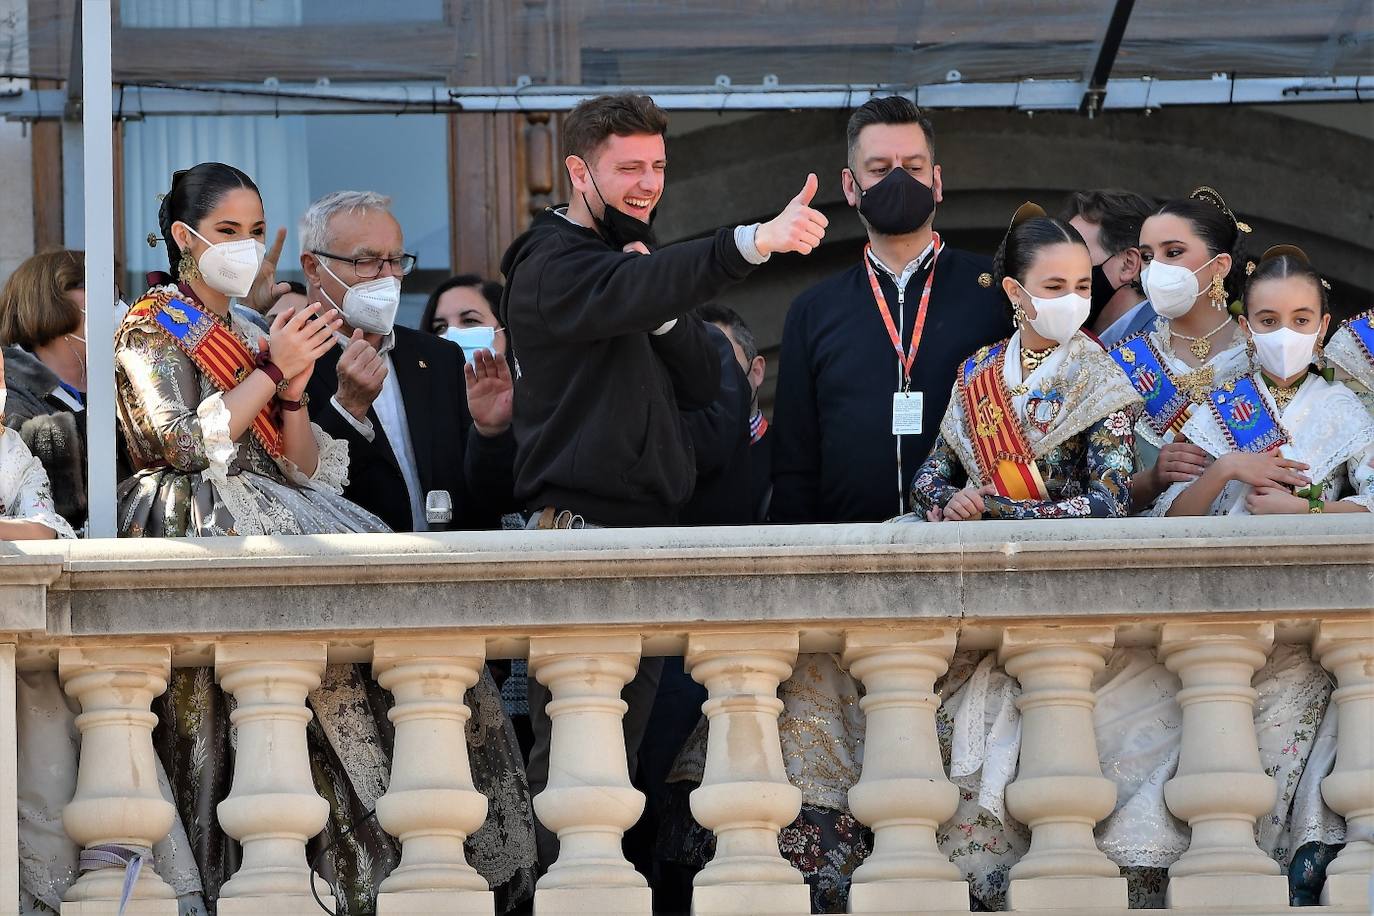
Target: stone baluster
588, 801
903, 793
431, 805
745, 797
1220, 788
9, 784
272, 808
1059, 791
118, 802
1346, 649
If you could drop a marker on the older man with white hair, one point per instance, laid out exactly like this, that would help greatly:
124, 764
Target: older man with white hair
396, 395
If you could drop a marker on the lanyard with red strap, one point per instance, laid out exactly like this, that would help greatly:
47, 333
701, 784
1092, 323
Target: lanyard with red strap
909, 359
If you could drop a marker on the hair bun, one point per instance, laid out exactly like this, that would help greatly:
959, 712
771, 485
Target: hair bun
1024, 212
1292, 251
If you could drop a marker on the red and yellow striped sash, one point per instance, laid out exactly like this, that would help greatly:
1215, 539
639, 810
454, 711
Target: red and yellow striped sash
999, 441
214, 349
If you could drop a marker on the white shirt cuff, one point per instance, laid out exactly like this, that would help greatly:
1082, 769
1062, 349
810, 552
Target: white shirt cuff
664, 328
363, 426
744, 241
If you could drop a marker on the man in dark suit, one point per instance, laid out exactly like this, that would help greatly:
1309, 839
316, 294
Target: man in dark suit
416, 417
754, 366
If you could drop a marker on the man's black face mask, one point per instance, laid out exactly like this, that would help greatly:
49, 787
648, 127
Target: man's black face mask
1103, 290
617, 227
896, 205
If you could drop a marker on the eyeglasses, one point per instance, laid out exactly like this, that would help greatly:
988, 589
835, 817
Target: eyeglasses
371, 268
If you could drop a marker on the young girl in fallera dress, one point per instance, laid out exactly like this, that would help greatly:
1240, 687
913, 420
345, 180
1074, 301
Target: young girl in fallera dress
1049, 398
1316, 455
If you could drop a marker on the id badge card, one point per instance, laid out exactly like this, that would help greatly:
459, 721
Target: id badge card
908, 412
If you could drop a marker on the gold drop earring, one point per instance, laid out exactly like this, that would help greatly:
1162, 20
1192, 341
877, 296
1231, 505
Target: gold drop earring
187, 269
1217, 293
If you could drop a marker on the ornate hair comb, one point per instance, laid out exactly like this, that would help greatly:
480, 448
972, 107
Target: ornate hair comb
1213, 196
1024, 212
1292, 251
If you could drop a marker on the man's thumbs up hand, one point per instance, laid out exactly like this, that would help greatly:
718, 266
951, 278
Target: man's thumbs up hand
796, 228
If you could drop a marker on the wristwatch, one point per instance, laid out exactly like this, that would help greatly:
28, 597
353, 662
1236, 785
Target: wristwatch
293, 405
273, 372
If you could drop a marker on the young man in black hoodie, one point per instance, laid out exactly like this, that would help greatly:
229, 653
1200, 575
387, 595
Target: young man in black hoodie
607, 355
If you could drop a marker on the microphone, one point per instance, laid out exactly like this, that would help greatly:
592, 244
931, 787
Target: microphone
438, 510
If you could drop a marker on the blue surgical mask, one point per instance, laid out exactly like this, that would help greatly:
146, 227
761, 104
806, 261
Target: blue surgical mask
472, 340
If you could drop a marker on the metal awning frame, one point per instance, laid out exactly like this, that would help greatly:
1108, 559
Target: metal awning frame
134, 102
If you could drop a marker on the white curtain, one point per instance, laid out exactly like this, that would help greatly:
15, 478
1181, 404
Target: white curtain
270, 150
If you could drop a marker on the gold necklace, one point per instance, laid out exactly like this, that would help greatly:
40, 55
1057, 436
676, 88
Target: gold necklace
1202, 346
1283, 396
1032, 359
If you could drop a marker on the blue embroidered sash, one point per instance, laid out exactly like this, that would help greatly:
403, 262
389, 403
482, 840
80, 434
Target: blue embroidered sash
1166, 404
1362, 326
1243, 414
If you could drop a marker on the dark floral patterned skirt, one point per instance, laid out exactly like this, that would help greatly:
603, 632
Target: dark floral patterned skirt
825, 846
353, 853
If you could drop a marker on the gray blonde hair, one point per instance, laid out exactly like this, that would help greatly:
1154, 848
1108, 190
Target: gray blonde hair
315, 223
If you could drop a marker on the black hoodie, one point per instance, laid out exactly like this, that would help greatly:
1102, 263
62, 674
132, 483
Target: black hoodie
597, 421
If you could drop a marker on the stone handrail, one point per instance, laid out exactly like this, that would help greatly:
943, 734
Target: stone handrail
1213, 595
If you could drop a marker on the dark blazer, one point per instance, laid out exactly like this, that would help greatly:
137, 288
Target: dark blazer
449, 453
720, 438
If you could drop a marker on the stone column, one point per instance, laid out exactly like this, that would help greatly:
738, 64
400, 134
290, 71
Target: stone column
1059, 791
1220, 787
117, 801
272, 808
745, 797
431, 805
1346, 649
903, 793
9, 786
589, 801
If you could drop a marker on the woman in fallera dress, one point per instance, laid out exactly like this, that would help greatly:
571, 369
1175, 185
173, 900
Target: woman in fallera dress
1193, 249
211, 409
1351, 349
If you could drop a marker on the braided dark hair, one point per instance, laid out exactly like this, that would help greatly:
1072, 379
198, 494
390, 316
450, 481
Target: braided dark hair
194, 193
1281, 262
1030, 231
1219, 230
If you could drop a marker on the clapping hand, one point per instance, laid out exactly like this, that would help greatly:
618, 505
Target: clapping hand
361, 371
491, 393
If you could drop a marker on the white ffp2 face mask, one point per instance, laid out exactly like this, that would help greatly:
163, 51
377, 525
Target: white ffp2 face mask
230, 267
1285, 352
1172, 289
1061, 317
472, 339
371, 306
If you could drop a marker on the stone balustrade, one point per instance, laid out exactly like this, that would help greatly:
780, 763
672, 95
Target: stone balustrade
1212, 596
